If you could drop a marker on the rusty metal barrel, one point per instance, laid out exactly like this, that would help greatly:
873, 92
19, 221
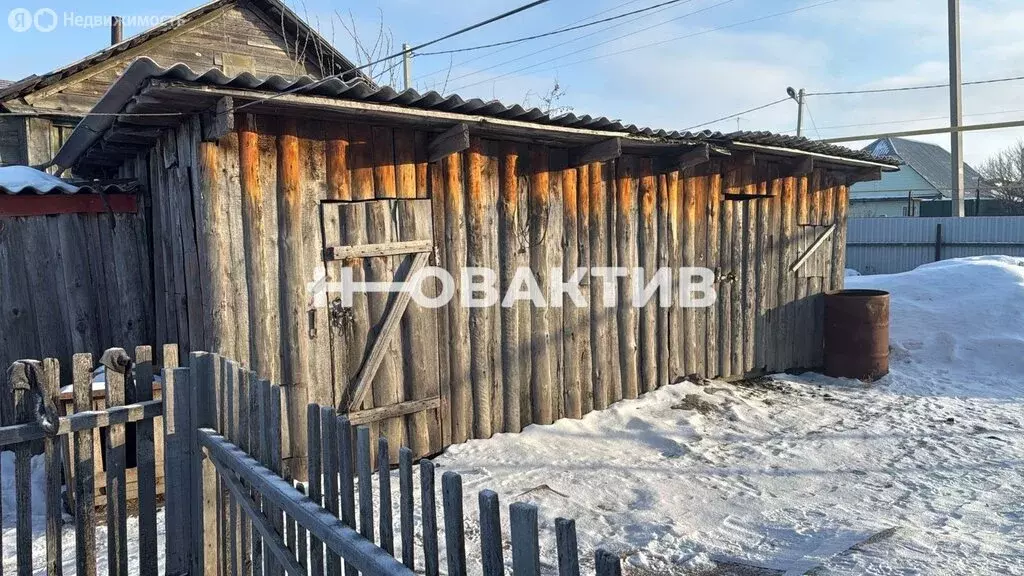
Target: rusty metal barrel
857, 334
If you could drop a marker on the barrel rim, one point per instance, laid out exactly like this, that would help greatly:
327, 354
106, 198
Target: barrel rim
863, 293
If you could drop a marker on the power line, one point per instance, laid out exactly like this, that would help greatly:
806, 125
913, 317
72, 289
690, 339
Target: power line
481, 56
761, 107
909, 88
584, 49
811, 116
649, 45
553, 32
469, 28
535, 52
908, 120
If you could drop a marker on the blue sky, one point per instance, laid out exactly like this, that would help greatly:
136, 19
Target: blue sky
698, 72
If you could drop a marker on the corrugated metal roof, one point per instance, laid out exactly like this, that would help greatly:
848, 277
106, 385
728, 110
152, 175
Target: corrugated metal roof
275, 8
15, 180
934, 163
119, 99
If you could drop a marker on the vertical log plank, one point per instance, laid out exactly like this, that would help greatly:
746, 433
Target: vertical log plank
572, 314
458, 315
508, 230
648, 258
601, 369
541, 353
625, 241
713, 236
331, 459
583, 315
478, 255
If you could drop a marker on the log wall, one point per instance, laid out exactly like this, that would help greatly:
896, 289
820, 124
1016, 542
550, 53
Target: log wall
237, 235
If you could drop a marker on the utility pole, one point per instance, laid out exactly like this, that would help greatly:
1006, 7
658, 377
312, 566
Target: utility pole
798, 95
956, 112
407, 65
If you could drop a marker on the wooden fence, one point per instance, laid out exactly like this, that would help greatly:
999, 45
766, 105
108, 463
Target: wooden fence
33, 390
237, 515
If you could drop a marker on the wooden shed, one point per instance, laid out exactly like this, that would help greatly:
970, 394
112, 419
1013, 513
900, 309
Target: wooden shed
257, 183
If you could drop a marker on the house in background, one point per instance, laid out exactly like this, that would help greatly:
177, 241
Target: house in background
262, 37
921, 187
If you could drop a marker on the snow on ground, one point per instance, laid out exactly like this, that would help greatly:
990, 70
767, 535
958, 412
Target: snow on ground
920, 472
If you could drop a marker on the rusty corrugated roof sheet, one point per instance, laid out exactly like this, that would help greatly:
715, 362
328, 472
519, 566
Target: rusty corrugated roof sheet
144, 70
275, 8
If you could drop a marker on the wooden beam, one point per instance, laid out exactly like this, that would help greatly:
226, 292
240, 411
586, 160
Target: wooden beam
369, 250
388, 331
83, 421
864, 175
451, 141
49, 204
744, 158
602, 151
393, 411
817, 244
695, 157
220, 121
801, 166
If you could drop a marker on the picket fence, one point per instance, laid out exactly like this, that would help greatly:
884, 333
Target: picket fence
230, 509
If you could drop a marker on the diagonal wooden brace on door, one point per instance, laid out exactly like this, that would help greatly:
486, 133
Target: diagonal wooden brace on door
387, 332
814, 247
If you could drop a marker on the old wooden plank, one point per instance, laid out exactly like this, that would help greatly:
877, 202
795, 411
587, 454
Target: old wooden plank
274, 419
294, 338
19, 388
840, 199
712, 235
394, 410
145, 450
331, 462
346, 476
314, 488
249, 157
220, 121
85, 536
572, 314
393, 248
385, 522
607, 564
177, 465
405, 505
438, 203
749, 297
454, 534
509, 226
451, 141
525, 543
364, 467
428, 512
355, 326
478, 256
116, 361
384, 177
405, 163
525, 308
603, 378
582, 327
458, 315
686, 197
568, 549
661, 329
647, 236
52, 462
339, 185
608, 149
491, 560
694, 157
787, 280
542, 369
360, 161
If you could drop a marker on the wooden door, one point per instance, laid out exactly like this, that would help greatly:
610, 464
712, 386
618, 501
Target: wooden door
384, 345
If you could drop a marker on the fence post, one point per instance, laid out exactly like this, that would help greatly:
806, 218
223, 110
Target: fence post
525, 544
204, 474
938, 242
52, 446
22, 376
177, 395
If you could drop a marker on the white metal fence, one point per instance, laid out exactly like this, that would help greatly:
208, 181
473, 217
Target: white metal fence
890, 245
